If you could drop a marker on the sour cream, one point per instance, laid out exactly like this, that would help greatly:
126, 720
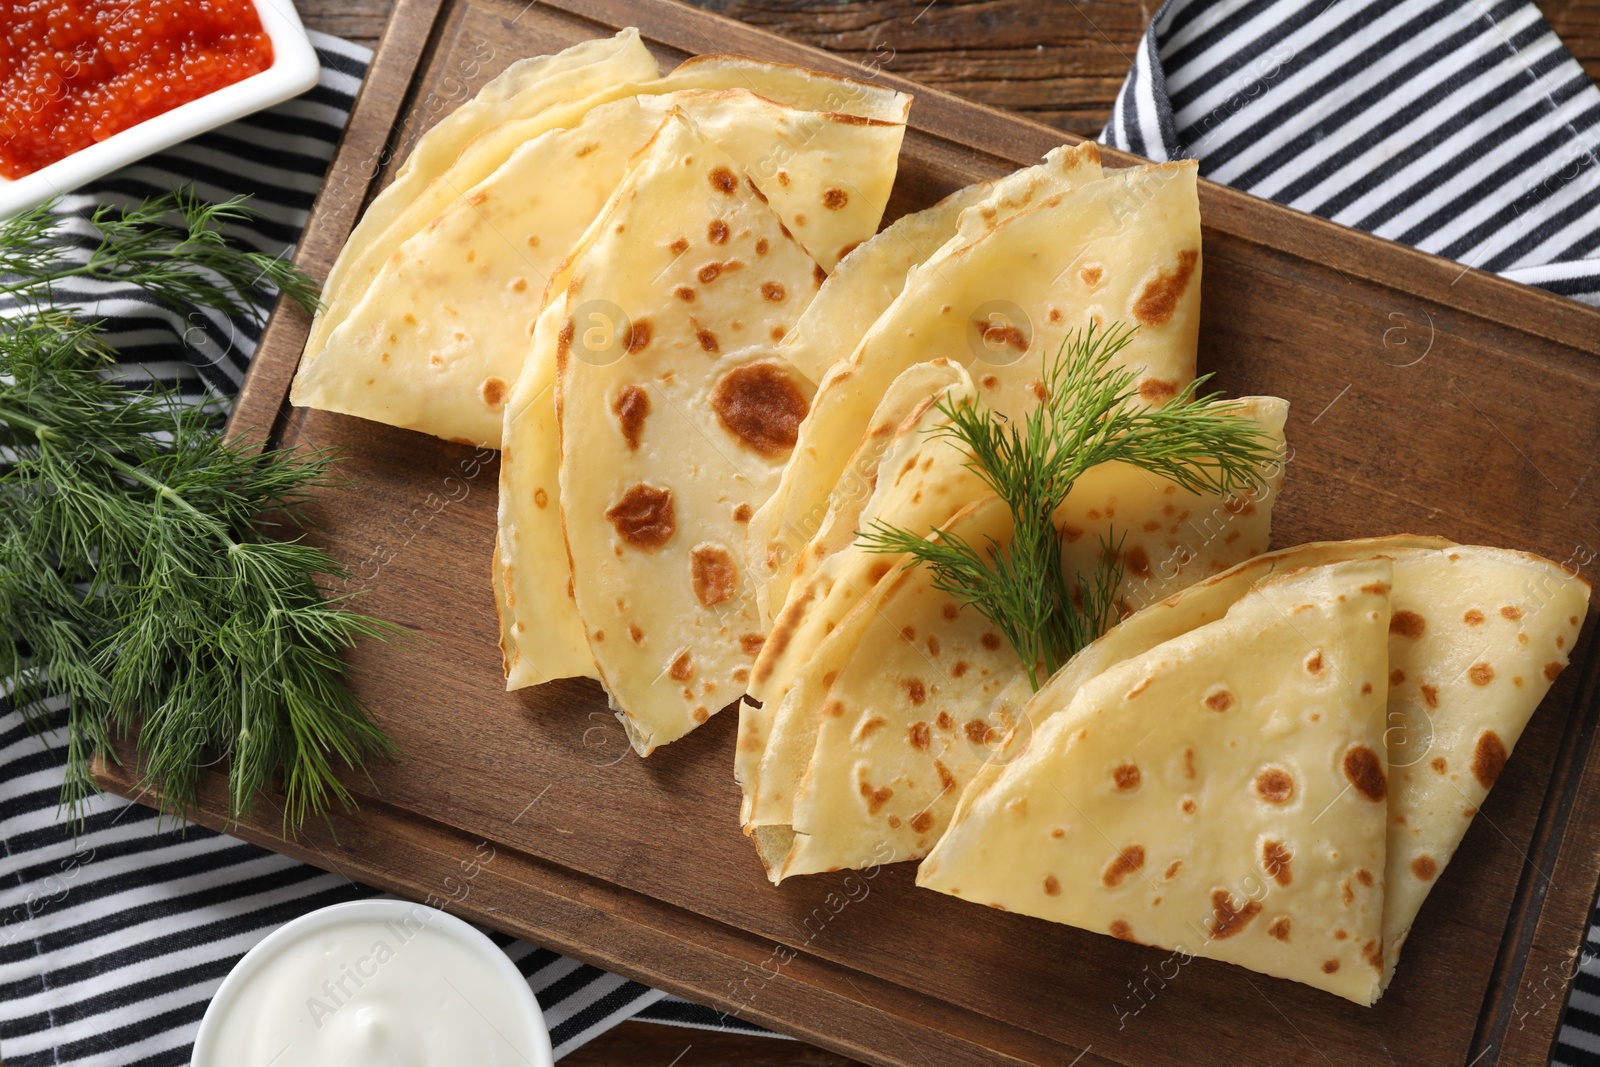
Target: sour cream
374, 983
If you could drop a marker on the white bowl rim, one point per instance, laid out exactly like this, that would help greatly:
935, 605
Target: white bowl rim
383, 908
295, 68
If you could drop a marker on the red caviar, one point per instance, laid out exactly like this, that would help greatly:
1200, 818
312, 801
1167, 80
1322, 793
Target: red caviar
74, 72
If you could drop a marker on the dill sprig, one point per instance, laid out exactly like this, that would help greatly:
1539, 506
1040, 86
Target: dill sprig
174, 246
1089, 416
137, 577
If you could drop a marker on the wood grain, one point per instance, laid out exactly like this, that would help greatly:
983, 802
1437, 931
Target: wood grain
644, 1045
637, 865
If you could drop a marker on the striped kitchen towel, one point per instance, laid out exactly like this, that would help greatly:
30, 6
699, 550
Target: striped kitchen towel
1461, 127
113, 942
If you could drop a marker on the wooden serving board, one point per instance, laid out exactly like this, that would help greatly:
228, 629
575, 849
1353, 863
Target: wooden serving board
1424, 398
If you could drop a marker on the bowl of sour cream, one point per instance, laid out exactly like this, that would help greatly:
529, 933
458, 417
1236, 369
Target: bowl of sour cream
374, 983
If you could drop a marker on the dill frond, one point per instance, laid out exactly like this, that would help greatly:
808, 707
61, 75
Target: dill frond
137, 577
1089, 416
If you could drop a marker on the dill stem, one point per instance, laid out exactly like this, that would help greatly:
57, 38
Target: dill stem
16, 418
47, 280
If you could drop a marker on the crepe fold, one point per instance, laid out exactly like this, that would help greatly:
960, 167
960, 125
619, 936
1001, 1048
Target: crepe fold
818, 155
1224, 839
889, 682
1000, 297
427, 322
675, 418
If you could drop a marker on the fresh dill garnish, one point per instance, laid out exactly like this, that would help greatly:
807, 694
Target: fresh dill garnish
1088, 417
137, 579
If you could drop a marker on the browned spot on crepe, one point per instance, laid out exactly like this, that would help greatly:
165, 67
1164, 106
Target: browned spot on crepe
1159, 299
1488, 758
1276, 860
714, 573
876, 798
1123, 864
761, 406
1274, 785
631, 407
1407, 624
1365, 771
639, 333
1228, 918
644, 517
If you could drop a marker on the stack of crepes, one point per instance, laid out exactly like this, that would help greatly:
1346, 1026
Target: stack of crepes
665, 299
876, 697
1273, 766
590, 266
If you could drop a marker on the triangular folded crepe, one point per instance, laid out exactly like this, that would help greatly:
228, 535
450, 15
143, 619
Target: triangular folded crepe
541, 637
1223, 794
909, 396
1479, 636
674, 424
886, 721
480, 157
901, 337
481, 265
909, 681
525, 89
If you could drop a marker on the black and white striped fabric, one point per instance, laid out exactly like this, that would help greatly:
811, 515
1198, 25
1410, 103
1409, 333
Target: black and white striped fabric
112, 943
1461, 127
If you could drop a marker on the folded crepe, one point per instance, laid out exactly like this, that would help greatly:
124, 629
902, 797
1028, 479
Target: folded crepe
674, 423
484, 263
808, 577
617, 72
1479, 635
1223, 794
909, 398
541, 637
877, 352
888, 718
873, 274
901, 651
525, 89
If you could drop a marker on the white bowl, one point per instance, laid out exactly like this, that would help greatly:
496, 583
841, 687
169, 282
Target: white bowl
295, 68
239, 991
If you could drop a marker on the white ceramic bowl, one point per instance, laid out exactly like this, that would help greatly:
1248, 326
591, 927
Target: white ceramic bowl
295, 68
233, 995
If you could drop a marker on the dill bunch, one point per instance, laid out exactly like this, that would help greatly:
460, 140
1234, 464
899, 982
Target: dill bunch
1089, 416
137, 575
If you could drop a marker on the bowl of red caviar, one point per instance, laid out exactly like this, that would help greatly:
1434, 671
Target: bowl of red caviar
88, 86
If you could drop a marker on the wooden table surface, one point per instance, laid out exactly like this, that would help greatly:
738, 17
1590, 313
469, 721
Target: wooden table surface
1060, 63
